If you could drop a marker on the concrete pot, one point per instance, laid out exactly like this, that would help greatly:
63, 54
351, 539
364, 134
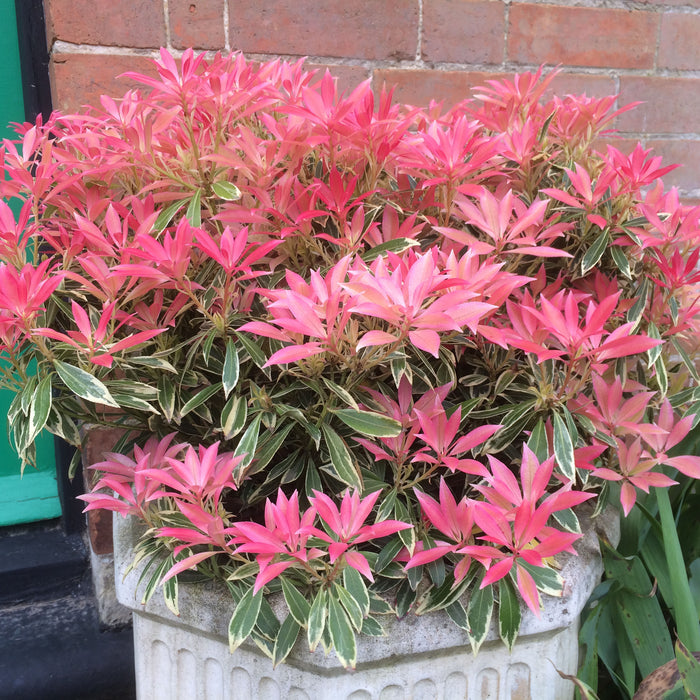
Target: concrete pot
187, 657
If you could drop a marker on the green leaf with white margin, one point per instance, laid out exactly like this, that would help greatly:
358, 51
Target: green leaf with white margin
690, 366
63, 426
395, 245
200, 398
355, 585
298, 605
595, 252
537, 441
229, 376
634, 315
289, 631
40, 408
479, 614
341, 460
170, 595
253, 349
342, 635
131, 401
153, 363
563, 447
458, 615
623, 264
547, 580
268, 447
226, 191
317, 619
248, 443
508, 612
351, 606
372, 628
166, 397
568, 520
167, 214
369, 423
83, 384
233, 416
244, 618
194, 210
343, 394
653, 353
661, 375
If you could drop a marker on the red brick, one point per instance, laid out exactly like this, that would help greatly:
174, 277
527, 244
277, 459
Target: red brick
685, 152
463, 31
581, 36
581, 84
131, 23
678, 43
79, 79
671, 105
369, 29
349, 77
97, 442
198, 24
419, 87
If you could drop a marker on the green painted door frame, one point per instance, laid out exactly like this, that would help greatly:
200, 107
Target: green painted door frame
33, 496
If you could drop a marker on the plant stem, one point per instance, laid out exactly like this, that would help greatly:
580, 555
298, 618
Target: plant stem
685, 611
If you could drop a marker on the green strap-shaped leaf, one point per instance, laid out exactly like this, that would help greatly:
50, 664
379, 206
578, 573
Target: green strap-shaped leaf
479, 614
595, 252
341, 460
371, 627
343, 394
508, 612
233, 416
369, 423
194, 210
317, 619
200, 398
248, 443
661, 375
289, 631
167, 214
352, 608
547, 580
620, 259
634, 315
252, 348
456, 612
342, 635
131, 401
396, 245
40, 408
166, 397
563, 447
538, 441
355, 585
244, 618
229, 376
298, 605
83, 384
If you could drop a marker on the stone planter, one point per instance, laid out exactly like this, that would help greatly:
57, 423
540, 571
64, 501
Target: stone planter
187, 657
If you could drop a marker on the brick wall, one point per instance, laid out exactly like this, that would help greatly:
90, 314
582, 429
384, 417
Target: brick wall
643, 49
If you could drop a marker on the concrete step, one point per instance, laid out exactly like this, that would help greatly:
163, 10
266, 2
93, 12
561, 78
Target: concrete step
52, 646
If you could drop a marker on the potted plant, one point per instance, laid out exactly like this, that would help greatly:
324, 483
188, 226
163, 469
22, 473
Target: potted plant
367, 360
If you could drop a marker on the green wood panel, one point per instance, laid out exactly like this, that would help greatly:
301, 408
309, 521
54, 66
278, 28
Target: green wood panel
33, 496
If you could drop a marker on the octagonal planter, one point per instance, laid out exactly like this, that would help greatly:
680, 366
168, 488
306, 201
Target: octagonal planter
187, 657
